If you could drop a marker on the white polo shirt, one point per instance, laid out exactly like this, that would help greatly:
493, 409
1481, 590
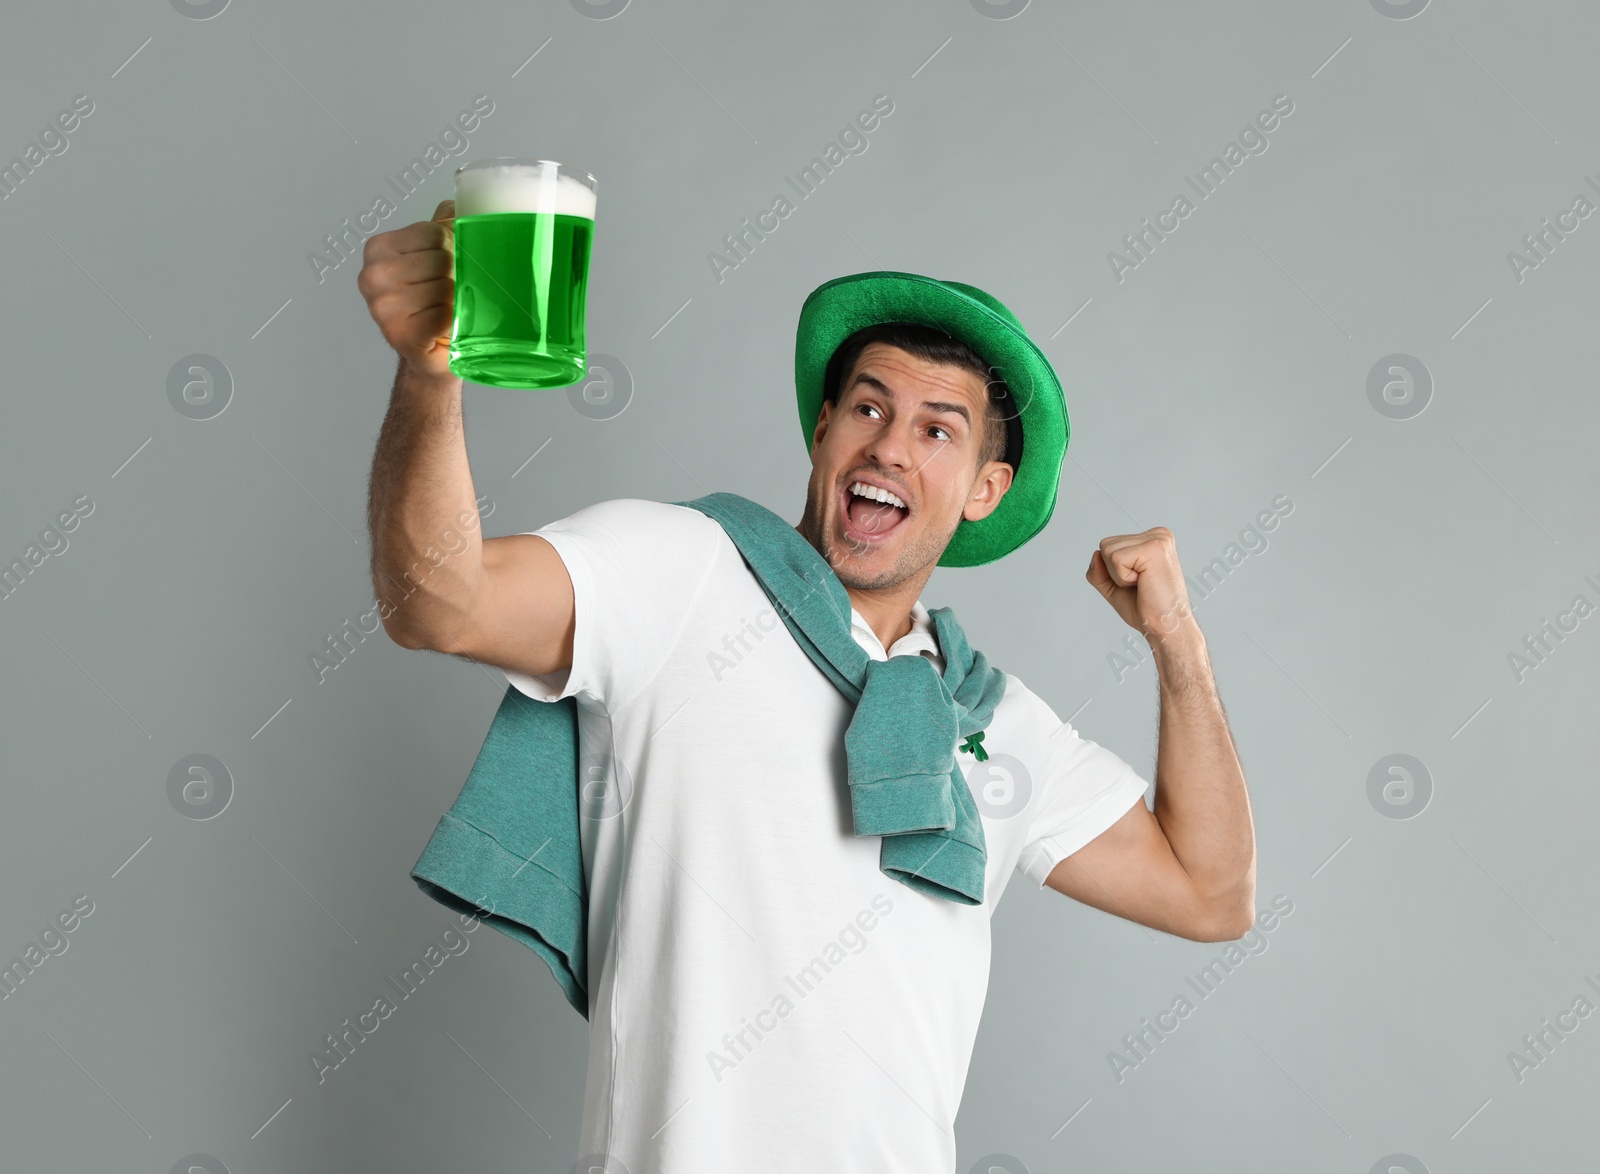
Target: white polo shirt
761, 995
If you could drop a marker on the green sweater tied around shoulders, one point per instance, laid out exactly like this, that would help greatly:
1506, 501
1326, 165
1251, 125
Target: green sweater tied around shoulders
509, 850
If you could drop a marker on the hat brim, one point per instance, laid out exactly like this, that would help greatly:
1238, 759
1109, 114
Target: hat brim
838, 308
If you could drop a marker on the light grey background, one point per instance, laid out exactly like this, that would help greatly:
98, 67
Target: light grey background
1230, 367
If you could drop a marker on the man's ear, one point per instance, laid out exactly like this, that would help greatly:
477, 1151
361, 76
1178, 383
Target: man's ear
821, 427
987, 490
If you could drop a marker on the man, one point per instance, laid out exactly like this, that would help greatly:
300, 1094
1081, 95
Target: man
760, 992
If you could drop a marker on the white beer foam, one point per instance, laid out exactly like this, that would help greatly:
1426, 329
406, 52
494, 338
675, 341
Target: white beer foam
520, 188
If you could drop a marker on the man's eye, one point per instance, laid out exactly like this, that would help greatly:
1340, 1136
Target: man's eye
941, 428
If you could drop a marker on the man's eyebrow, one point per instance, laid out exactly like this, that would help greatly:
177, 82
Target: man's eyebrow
936, 405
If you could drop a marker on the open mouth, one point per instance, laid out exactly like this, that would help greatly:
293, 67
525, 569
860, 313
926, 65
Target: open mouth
867, 519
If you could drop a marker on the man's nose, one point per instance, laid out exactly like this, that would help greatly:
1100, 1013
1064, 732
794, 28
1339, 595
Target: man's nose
892, 447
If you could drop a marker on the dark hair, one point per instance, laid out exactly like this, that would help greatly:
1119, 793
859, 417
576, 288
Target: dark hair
1002, 430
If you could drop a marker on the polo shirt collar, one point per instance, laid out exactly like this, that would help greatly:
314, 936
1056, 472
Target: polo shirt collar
920, 639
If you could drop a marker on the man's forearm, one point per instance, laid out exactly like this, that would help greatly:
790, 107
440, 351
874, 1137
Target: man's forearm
1201, 801
422, 513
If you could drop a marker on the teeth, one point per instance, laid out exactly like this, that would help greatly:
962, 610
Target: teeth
862, 489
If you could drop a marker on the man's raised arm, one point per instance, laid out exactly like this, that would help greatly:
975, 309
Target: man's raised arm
440, 585
1189, 867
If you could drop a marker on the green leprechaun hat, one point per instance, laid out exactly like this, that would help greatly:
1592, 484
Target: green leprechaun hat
1038, 429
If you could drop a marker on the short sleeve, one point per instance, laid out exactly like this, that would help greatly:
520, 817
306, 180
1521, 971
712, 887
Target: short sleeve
637, 568
1086, 789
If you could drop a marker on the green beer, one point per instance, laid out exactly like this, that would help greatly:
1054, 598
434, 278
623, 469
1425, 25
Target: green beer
523, 231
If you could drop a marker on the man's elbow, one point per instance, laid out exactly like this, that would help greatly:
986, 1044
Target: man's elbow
1229, 921
408, 632
1223, 915
1225, 931
426, 620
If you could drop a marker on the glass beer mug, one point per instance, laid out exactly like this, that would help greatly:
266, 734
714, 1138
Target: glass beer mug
523, 230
